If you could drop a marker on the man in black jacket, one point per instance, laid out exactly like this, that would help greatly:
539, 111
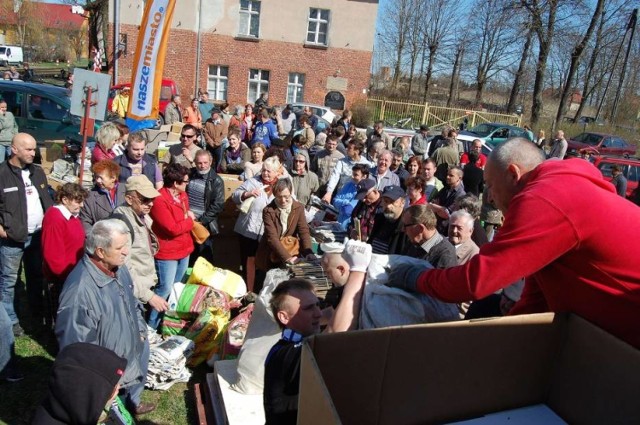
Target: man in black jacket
419, 224
206, 200
23, 202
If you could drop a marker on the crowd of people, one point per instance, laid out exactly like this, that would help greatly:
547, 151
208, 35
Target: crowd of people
481, 225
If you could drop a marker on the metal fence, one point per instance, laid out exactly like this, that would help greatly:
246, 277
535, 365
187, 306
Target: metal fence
412, 115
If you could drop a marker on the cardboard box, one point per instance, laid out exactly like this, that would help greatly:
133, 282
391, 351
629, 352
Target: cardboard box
455, 371
231, 183
176, 127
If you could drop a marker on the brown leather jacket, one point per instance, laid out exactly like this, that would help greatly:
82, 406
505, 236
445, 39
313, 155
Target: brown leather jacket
270, 242
214, 134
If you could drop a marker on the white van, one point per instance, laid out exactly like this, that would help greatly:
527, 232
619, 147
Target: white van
11, 55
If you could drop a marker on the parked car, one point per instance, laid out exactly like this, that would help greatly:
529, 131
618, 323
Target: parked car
11, 55
41, 110
492, 133
321, 111
630, 169
603, 144
169, 89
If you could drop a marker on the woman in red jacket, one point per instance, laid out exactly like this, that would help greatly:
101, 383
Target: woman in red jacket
62, 239
106, 138
172, 224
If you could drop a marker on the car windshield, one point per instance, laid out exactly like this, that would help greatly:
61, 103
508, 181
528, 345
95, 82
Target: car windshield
483, 130
588, 139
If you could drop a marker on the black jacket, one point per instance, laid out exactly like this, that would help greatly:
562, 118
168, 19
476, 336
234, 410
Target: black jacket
213, 199
13, 198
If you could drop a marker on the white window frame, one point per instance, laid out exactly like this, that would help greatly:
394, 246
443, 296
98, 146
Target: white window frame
316, 21
262, 84
246, 16
295, 87
217, 80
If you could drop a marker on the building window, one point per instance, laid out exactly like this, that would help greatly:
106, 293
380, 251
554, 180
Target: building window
295, 88
258, 83
318, 26
218, 81
249, 18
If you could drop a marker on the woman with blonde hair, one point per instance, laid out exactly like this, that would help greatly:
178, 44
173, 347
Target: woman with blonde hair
106, 138
252, 197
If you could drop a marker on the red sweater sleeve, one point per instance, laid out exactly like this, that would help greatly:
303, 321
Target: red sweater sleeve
535, 233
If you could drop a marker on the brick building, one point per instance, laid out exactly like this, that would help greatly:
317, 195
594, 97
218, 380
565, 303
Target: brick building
296, 50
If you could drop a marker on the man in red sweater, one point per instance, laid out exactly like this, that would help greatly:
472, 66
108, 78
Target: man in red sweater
553, 235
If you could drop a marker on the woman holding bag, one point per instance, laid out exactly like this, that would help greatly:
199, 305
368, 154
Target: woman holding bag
286, 232
252, 196
172, 224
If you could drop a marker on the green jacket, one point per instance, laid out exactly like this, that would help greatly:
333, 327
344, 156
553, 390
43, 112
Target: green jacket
8, 128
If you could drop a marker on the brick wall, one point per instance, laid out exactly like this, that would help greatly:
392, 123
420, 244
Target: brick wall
279, 58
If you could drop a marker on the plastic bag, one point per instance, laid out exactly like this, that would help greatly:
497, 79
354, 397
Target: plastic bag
236, 331
207, 333
204, 273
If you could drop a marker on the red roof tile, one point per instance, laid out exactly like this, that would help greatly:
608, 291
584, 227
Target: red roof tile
50, 15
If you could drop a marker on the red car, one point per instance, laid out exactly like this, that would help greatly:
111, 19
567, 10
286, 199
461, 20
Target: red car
603, 144
169, 88
630, 169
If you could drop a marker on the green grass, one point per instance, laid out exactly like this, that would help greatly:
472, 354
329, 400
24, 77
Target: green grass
36, 351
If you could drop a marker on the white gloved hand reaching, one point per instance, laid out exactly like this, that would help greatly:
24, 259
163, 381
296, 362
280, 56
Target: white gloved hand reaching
357, 254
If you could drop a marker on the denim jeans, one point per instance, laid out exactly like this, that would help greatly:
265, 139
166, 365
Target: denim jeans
6, 338
11, 254
169, 272
5, 152
132, 395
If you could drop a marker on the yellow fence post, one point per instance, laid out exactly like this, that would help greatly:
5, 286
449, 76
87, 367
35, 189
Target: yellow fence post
425, 111
382, 110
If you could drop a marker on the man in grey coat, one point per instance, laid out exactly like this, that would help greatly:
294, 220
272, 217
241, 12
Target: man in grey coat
8, 129
97, 306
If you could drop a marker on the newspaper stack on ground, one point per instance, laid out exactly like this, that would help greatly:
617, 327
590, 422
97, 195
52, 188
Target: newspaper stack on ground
167, 363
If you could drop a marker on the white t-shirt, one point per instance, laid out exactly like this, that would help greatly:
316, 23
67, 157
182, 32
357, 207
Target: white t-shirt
35, 213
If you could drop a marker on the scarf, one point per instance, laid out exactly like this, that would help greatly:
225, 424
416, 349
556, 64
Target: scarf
284, 218
233, 156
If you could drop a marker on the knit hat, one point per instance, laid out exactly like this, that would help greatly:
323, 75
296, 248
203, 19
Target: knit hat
83, 378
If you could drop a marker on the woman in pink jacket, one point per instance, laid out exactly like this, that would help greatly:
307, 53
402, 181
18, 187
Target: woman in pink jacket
172, 224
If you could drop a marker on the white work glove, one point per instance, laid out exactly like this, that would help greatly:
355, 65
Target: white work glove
357, 254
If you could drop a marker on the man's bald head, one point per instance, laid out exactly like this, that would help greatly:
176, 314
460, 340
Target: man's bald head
518, 151
336, 268
506, 167
23, 150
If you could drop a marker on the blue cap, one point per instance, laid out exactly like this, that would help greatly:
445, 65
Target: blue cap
364, 187
393, 192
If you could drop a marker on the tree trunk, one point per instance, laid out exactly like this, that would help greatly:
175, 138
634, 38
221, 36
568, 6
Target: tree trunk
575, 59
513, 96
545, 37
427, 80
454, 74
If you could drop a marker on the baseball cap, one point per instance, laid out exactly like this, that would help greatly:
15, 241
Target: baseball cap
142, 185
363, 188
393, 192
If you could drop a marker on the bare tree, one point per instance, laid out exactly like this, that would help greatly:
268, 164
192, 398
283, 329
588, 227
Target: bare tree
493, 40
575, 58
439, 19
415, 38
543, 19
455, 73
517, 78
394, 33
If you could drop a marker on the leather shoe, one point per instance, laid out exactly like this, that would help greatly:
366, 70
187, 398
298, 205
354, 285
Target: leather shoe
144, 408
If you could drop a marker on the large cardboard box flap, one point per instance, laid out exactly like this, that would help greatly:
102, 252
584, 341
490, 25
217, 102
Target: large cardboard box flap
454, 371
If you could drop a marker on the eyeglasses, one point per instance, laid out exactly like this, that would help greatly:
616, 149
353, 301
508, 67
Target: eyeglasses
406, 226
143, 200
187, 136
185, 181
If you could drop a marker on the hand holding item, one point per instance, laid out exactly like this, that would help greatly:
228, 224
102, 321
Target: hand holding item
357, 254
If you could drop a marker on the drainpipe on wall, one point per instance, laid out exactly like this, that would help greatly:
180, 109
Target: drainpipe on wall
116, 39
198, 26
